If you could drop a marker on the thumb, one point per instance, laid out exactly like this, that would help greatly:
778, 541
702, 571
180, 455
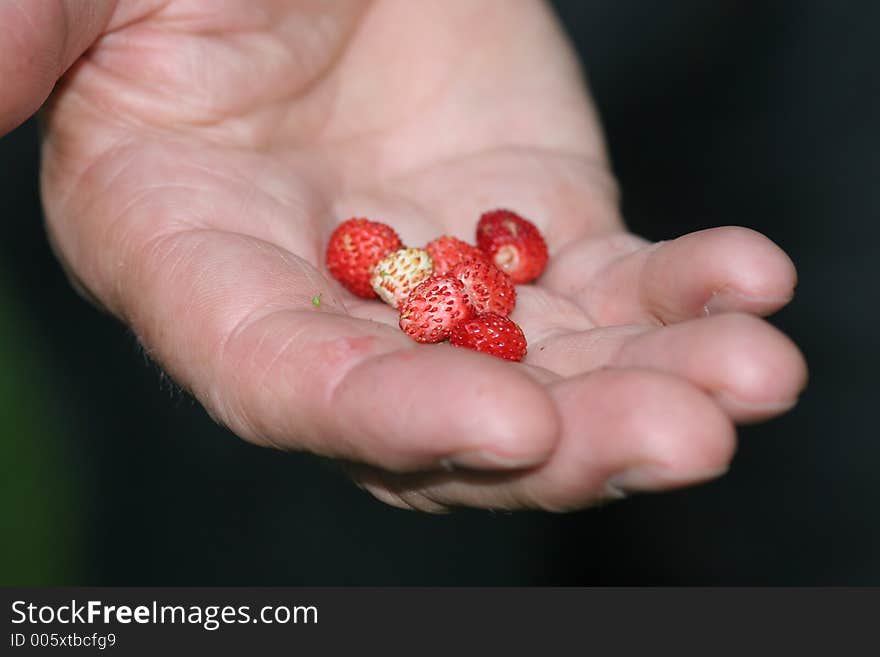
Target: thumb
39, 40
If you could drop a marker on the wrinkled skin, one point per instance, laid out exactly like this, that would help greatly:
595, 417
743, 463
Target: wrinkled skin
199, 154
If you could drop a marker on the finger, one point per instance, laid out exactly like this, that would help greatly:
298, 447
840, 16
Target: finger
232, 318
752, 369
707, 272
623, 431
39, 40
632, 431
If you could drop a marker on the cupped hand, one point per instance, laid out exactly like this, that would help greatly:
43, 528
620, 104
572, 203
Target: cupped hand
197, 157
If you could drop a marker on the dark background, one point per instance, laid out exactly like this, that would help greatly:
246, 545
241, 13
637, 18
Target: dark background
761, 114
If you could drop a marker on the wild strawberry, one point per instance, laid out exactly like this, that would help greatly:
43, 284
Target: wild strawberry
395, 275
489, 289
514, 244
354, 249
434, 308
491, 334
448, 251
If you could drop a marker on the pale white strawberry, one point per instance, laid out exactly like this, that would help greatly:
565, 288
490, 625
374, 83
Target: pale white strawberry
395, 276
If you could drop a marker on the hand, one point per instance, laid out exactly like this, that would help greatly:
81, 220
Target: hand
196, 161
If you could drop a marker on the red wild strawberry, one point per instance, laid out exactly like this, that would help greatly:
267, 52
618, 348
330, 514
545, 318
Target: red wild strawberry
491, 334
489, 289
354, 249
514, 244
434, 308
448, 251
395, 275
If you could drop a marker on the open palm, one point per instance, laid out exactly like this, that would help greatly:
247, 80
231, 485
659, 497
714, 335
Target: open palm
197, 159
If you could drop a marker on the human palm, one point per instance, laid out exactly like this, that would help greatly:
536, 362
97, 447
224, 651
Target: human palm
196, 160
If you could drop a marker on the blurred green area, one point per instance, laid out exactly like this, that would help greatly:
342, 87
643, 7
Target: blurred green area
39, 505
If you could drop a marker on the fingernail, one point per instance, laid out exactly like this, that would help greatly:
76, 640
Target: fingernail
613, 492
654, 477
482, 459
729, 300
724, 301
643, 477
759, 409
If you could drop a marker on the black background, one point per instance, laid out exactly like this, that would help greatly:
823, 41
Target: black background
760, 114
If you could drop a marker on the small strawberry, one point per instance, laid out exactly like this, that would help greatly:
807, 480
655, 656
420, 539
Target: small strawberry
492, 334
448, 251
489, 289
434, 308
514, 244
354, 249
395, 275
